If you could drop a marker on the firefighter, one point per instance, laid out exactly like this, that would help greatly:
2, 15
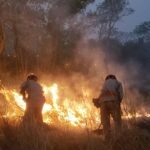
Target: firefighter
110, 101
33, 96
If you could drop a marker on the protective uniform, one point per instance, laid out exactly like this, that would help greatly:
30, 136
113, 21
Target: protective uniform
33, 96
110, 99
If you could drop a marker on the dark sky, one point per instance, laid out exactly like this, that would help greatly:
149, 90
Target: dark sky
141, 14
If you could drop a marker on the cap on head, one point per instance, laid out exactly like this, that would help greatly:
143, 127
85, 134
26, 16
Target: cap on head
32, 76
110, 76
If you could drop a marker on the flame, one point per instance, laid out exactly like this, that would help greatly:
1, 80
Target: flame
58, 110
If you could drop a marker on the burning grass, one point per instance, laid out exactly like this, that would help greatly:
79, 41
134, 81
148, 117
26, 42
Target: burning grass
56, 109
68, 124
62, 107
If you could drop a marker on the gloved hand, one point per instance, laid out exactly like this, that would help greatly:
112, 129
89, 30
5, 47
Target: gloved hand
24, 98
96, 102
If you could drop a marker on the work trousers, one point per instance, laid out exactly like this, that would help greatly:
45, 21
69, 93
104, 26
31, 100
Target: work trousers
110, 108
33, 113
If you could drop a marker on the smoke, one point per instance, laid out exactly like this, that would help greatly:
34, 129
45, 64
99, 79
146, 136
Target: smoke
96, 62
46, 38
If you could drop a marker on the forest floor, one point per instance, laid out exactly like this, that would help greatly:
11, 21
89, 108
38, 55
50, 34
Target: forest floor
16, 136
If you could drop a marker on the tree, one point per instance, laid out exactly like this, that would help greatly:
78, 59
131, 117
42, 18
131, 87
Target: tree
78, 5
107, 14
39, 31
143, 30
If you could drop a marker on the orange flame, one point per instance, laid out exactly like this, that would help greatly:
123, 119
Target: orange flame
55, 110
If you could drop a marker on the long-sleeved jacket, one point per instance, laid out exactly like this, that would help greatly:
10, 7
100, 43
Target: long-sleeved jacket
33, 90
111, 91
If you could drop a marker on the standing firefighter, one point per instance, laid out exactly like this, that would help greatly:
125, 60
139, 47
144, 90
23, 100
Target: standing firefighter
33, 95
109, 102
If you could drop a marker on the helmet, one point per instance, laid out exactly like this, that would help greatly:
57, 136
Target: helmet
32, 76
110, 76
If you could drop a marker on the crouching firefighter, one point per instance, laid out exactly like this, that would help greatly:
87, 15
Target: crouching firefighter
109, 103
33, 96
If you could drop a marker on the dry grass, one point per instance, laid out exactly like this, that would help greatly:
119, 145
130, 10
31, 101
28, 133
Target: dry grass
16, 136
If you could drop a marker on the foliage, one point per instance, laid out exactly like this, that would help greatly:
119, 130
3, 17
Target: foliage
77, 5
107, 14
54, 33
143, 30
